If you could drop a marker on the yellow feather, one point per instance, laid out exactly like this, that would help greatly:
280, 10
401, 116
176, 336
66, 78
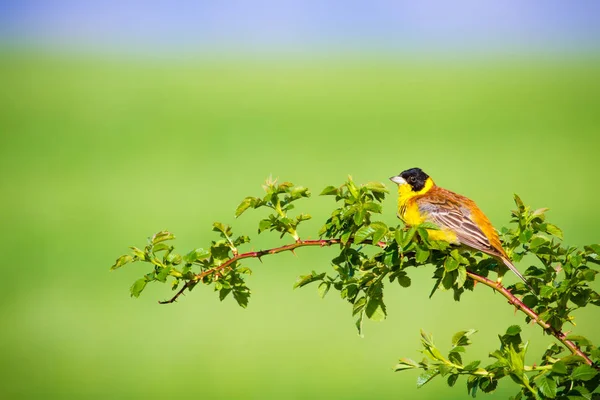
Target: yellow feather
408, 211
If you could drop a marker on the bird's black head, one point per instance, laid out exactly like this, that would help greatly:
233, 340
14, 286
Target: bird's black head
415, 177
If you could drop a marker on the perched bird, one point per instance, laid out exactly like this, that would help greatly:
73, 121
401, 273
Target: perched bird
460, 221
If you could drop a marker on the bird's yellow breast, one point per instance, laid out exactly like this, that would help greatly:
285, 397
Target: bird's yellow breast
408, 210
409, 213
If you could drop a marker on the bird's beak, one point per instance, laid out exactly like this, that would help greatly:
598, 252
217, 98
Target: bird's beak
398, 179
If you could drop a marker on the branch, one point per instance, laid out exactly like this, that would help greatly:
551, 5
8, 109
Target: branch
512, 299
258, 254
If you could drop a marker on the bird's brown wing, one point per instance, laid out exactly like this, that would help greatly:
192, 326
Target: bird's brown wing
461, 215
451, 211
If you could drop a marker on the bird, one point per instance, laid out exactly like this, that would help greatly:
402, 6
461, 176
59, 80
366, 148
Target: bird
459, 219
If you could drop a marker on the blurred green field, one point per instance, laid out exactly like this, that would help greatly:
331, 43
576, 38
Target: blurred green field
97, 155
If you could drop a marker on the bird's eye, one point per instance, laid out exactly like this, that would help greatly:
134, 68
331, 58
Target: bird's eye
412, 179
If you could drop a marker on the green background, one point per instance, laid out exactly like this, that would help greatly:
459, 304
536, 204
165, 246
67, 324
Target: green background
97, 155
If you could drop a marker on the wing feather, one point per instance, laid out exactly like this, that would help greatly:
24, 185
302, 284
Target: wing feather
450, 213
457, 213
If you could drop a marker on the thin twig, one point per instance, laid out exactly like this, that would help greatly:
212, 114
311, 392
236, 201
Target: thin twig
258, 254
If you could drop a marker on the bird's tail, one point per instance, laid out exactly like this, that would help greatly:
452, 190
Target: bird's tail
514, 269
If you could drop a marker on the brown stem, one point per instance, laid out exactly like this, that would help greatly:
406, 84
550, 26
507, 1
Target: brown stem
258, 254
512, 299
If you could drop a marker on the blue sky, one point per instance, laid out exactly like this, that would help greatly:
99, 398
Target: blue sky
262, 25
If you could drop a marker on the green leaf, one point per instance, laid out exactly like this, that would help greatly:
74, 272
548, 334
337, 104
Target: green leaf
458, 349
244, 205
525, 236
161, 237
426, 377
455, 357
404, 364
223, 293
139, 254
530, 300
546, 291
589, 275
575, 260
554, 231
581, 340
241, 240
264, 224
472, 385
173, 258
244, 270
330, 190
163, 274
429, 225
241, 295
584, 392
516, 361
422, 254
408, 236
450, 264
363, 233
345, 237
518, 396
433, 352
559, 367
461, 338
323, 289
546, 385
448, 279
427, 339
359, 322
157, 248
519, 203
352, 188
121, 261
497, 354
359, 305
423, 234
462, 276
299, 192
137, 287
404, 280
306, 279
221, 227
373, 207
196, 255
359, 217
375, 309
452, 379
513, 330
537, 241
399, 236
456, 255
593, 248
472, 366
376, 187
583, 373
380, 230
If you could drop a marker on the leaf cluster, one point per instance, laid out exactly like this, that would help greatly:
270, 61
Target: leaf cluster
558, 376
279, 198
197, 266
562, 278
